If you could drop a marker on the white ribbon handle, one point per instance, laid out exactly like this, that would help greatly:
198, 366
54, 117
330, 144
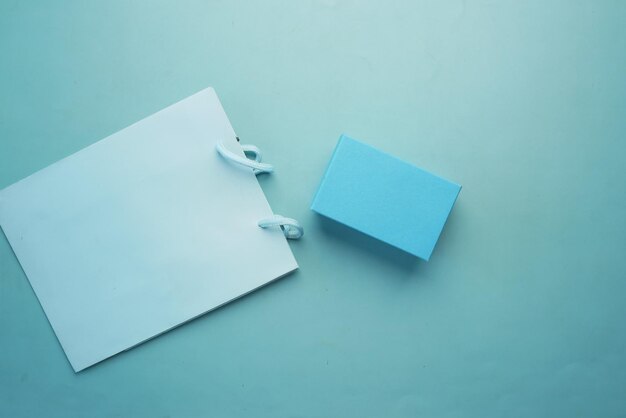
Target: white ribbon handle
256, 165
290, 227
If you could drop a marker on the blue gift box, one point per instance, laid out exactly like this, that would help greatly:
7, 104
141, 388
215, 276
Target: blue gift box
385, 197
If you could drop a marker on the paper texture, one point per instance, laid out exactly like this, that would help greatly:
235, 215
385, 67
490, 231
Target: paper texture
142, 231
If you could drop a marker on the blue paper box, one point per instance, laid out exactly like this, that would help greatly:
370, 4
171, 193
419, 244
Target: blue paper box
385, 197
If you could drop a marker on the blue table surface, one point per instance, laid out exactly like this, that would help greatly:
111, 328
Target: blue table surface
520, 311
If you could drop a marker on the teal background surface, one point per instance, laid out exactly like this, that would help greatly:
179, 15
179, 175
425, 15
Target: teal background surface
519, 313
